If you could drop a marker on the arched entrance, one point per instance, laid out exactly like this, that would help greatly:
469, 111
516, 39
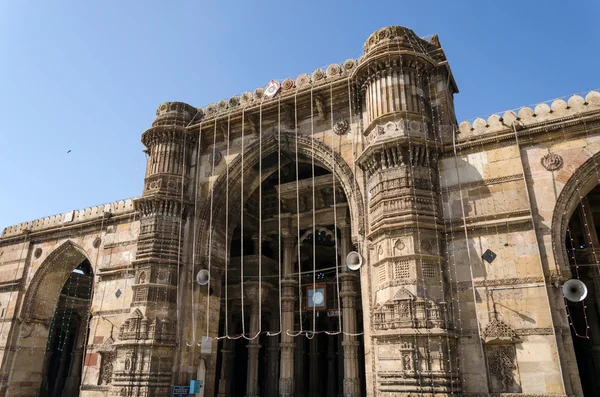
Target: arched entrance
576, 227
288, 199
49, 344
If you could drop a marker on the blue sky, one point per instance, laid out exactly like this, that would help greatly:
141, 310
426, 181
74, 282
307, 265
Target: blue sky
87, 76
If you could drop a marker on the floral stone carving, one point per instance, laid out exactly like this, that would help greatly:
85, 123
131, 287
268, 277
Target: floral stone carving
341, 127
552, 161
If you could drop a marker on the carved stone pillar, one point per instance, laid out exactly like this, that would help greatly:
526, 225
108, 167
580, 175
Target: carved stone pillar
350, 344
251, 289
226, 368
288, 299
313, 368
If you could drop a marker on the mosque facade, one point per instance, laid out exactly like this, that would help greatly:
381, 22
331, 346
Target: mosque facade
340, 234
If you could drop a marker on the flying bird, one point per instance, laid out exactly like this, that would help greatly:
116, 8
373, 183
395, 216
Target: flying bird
69, 151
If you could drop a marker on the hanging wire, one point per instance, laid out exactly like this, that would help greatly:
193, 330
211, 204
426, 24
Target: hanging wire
242, 234
464, 222
278, 212
298, 245
227, 229
335, 228
314, 239
194, 252
210, 235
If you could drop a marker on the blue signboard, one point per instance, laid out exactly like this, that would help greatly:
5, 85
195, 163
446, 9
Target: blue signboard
181, 391
195, 386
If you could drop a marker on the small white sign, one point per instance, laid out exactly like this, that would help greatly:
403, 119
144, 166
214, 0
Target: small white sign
206, 345
68, 217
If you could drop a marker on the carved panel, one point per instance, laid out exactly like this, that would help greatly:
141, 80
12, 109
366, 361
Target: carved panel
404, 310
502, 369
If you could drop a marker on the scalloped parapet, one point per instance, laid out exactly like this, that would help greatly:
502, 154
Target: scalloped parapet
69, 218
176, 113
289, 86
547, 111
396, 37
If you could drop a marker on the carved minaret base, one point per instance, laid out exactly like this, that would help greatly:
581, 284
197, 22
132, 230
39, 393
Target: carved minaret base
413, 341
146, 341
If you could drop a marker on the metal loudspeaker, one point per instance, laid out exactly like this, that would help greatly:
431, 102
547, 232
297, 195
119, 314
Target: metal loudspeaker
354, 260
574, 290
203, 277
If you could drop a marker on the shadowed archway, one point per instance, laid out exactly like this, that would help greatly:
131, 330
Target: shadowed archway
47, 341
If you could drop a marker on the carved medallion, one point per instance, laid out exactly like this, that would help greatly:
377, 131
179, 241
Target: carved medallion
37, 253
97, 242
162, 276
217, 158
552, 161
341, 127
287, 84
399, 245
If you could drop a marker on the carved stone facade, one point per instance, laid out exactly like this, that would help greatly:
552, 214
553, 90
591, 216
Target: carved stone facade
364, 156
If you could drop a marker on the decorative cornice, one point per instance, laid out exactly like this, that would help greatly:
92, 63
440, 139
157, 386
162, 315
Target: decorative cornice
483, 182
464, 285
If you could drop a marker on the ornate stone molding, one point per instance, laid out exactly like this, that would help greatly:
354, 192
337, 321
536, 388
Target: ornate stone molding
463, 285
483, 182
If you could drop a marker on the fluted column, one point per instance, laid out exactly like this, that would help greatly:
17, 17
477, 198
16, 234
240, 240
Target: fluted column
288, 299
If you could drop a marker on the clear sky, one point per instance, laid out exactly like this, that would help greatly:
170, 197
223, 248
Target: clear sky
87, 76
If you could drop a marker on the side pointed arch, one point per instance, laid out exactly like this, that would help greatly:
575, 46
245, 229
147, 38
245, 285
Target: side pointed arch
580, 182
53, 273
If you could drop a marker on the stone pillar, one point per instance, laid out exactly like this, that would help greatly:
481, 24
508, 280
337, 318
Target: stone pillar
272, 373
226, 368
73, 382
251, 289
288, 299
62, 366
340, 365
350, 344
313, 367
299, 368
331, 378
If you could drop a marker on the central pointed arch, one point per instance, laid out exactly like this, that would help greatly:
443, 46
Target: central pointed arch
307, 147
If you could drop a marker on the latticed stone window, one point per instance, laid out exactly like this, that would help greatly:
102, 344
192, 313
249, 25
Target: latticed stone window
401, 269
429, 270
381, 274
